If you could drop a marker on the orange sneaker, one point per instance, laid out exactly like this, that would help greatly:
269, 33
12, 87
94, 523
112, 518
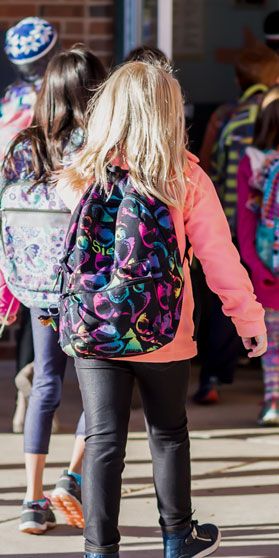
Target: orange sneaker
66, 497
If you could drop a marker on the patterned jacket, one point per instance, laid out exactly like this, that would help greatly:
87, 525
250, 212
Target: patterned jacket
16, 110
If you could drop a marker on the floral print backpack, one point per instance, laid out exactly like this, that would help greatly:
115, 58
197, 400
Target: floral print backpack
33, 225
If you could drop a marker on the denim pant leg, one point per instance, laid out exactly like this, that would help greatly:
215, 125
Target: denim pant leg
49, 369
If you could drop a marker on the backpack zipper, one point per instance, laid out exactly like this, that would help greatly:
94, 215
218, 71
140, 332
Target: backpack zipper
23, 210
104, 289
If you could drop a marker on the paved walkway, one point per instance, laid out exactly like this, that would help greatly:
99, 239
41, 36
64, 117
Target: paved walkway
235, 478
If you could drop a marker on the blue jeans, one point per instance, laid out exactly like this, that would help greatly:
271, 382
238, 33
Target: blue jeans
49, 369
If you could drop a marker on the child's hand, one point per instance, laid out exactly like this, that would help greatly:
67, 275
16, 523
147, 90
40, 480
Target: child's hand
11, 319
256, 346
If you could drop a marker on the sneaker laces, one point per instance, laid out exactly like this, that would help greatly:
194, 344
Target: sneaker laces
198, 533
44, 506
194, 533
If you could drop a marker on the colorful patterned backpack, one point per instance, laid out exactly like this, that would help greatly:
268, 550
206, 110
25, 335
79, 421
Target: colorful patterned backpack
122, 279
230, 147
267, 235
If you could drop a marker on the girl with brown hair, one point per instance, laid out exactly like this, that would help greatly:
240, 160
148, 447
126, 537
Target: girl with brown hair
56, 132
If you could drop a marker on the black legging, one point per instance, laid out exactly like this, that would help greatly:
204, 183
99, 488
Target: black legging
219, 345
106, 388
24, 340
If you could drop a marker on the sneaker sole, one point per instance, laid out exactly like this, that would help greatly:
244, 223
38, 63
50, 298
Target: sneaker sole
210, 550
69, 506
211, 398
33, 528
271, 423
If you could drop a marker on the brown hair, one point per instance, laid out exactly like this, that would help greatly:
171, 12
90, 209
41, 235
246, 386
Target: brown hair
151, 55
70, 78
257, 64
266, 133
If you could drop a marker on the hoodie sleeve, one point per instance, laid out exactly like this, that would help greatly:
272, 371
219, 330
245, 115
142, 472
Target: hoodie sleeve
7, 299
208, 231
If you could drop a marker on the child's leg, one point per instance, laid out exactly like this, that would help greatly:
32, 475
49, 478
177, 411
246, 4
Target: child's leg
77, 455
270, 360
66, 495
106, 388
34, 465
49, 368
164, 390
24, 368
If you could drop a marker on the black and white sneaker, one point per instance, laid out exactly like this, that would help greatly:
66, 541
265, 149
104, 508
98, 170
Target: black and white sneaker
66, 497
36, 519
201, 541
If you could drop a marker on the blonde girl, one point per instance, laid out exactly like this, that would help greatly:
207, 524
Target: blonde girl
137, 123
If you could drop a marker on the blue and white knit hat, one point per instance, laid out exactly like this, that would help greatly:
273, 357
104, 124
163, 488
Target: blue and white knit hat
29, 40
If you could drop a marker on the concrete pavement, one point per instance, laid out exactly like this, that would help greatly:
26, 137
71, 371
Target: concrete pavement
234, 469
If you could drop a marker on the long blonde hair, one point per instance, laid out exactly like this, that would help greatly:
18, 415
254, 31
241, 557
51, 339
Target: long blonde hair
137, 115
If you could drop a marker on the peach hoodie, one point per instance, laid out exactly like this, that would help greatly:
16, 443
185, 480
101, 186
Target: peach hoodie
206, 226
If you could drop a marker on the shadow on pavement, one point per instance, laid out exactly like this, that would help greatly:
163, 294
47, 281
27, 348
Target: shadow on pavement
48, 555
17, 489
127, 554
259, 551
141, 553
52, 465
210, 492
252, 535
62, 530
136, 531
251, 531
251, 551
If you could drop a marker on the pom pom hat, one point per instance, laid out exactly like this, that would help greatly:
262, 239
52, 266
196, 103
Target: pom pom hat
29, 40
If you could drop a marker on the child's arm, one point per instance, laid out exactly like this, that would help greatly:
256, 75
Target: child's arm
209, 234
247, 224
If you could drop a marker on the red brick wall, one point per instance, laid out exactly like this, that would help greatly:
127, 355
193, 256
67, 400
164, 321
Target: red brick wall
87, 21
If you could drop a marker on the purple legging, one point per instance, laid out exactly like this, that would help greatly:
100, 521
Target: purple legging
49, 369
270, 360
